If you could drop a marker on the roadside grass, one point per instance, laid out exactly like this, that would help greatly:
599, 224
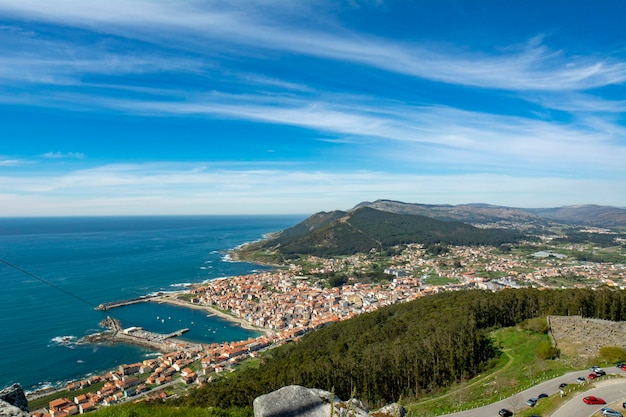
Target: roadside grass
148, 410
516, 369
45, 400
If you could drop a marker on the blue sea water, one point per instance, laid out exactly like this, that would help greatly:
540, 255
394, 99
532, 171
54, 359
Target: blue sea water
70, 265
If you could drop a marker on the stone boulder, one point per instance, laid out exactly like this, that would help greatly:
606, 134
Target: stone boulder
13, 402
298, 401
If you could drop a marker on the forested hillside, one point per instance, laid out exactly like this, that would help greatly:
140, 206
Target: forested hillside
341, 233
406, 350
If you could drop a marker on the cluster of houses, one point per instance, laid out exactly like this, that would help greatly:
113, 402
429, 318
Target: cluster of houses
279, 301
287, 306
129, 380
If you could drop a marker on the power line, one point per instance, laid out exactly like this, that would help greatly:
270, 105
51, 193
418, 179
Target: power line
66, 292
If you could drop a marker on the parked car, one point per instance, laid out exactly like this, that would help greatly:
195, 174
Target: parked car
531, 402
609, 412
505, 413
563, 385
600, 372
581, 379
593, 400
592, 375
542, 395
624, 405
594, 368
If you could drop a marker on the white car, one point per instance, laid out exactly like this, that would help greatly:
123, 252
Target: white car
609, 412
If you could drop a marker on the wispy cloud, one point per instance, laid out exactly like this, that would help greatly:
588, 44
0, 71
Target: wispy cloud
193, 26
62, 155
435, 134
185, 189
426, 135
10, 162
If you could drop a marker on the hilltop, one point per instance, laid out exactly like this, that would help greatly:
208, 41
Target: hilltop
383, 224
364, 228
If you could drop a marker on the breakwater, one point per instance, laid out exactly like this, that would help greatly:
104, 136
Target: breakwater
134, 335
121, 303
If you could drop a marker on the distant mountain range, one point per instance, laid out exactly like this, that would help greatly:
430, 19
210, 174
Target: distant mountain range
587, 215
384, 223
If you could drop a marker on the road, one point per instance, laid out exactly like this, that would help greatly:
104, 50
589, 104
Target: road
613, 390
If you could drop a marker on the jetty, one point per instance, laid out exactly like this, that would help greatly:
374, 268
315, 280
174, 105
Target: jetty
121, 303
134, 335
176, 333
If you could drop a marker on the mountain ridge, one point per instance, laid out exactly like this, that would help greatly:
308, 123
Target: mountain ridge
365, 228
582, 214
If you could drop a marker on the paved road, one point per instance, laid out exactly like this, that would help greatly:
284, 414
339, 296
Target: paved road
612, 391
551, 387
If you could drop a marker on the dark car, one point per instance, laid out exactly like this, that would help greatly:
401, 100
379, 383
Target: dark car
505, 413
600, 372
542, 395
563, 385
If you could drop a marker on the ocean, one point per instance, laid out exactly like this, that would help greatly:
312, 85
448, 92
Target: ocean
70, 265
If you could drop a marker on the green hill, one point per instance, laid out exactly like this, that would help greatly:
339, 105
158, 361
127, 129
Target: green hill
365, 228
407, 351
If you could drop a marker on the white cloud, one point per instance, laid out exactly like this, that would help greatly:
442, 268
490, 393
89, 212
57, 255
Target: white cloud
185, 189
66, 155
11, 162
208, 27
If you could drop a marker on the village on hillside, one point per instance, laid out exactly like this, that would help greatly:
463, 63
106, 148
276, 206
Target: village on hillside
292, 300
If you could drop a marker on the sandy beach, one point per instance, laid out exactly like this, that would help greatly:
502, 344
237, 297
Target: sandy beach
171, 299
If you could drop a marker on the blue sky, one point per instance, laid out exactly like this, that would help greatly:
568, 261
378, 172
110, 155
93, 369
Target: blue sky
259, 107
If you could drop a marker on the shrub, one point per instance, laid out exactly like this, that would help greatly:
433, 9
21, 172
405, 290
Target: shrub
612, 354
547, 351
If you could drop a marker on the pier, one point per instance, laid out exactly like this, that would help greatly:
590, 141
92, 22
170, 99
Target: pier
176, 333
115, 304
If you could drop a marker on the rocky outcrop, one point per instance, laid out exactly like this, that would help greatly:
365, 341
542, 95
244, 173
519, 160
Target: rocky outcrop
584, 337
298, 401
13, 402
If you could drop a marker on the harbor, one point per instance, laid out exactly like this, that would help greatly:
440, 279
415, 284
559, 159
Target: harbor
137, 336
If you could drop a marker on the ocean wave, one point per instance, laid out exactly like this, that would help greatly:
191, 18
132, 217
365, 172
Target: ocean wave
227, 258
40, 388
182, 284
69, 341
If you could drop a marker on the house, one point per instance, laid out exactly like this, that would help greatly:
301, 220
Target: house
189, 378
86, 407
130, 369
61, 406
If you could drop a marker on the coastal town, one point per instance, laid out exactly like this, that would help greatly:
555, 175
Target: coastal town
294, 299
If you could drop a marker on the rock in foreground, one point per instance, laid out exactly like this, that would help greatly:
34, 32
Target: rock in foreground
13, 402
298, 401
